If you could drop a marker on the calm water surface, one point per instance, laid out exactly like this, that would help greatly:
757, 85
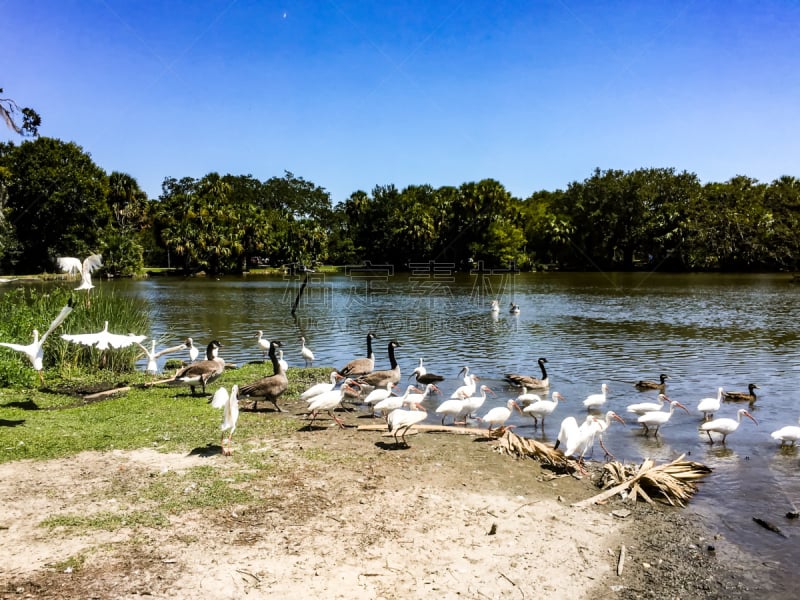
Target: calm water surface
705, 331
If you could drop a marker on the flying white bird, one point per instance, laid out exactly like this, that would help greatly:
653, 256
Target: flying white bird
102, 340
230, 414
35, 350
89, 264
153, 356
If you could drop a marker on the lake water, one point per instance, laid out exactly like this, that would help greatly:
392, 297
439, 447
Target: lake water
705, 331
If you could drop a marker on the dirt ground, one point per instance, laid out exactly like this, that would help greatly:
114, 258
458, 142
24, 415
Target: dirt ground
346, 514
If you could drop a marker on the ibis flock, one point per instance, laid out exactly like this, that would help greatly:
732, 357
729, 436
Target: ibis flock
358, 382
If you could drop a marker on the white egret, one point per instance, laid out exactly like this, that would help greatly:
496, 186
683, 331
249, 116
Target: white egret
89, 264
153, 356
35, 350
69, 265
725, 426
104, 339
495, 306
262, 342
193, 351
283, 364
230, 414
306, 352
527, 398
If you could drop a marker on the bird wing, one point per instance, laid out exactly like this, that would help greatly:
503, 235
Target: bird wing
220, 398
58, 320
68, 264
116, 340
17, 347
87, 339
170, 350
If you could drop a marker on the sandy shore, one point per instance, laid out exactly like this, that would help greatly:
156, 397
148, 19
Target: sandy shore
346, 514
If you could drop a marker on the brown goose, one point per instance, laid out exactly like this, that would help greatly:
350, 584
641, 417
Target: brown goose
645, 385
201, 372
381, 378
360, 366
270, 387
749, 396
529, 382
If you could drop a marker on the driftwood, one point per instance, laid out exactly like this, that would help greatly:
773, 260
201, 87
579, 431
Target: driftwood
431, 428
105, 393
522, 447
673, 482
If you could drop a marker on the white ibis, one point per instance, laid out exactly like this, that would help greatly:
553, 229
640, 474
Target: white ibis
708, 406
543, 408
319, 388
104, 339
230, 414
641, 408
328, 402
527, 398
202, 372
473, 403
529, 381
660, 385
401, 420
419, 397
790, 433
306, 352
468, 389
657, 418
576, 440
601, 425
35, 350
595, 401
748, 396
725, 426
378, 394
262, 342
452, 407
387, 405
270, 387
499, 415
153, 356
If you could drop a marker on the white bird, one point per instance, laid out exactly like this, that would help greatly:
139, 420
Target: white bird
452, 407
89, 264
328, 402
387, 405
495, 306
262, 342
543, 408
102, 340
319, 388
726, 426
513, 308
641, 408
306, 352
473, 403
378, 394
657, 418
601, 425
193, 351
597, 400
527, 398
499, 415
153, 356
69, 264
708, 406
423, 377
577, 439
402, 420
468, 389
35, 350
790, 433
230, 414
283, 364
419, 397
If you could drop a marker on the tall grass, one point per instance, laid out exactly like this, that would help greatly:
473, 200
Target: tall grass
24, 309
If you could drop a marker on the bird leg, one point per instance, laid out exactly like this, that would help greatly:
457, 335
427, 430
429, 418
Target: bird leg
339, 422
603, 446
710, 439
278, 408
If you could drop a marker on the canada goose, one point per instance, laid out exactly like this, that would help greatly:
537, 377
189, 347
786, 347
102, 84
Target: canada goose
360, 366
35, 350
271, 387
381, 378
201, 372
530, 382
645, 385
749, 396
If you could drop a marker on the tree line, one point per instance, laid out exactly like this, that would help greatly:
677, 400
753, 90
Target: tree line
54, 201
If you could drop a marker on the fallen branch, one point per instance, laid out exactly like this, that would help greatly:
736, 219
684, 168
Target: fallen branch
103, 394
432, 428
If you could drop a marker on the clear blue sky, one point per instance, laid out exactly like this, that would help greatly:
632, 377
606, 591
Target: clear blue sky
349, 95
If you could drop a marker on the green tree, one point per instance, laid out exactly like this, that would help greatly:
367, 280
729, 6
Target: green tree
56, 202
11, 112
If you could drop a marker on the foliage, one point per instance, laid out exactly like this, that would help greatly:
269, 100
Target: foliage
9, 111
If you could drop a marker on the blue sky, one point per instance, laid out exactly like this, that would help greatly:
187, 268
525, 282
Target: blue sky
349, 95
